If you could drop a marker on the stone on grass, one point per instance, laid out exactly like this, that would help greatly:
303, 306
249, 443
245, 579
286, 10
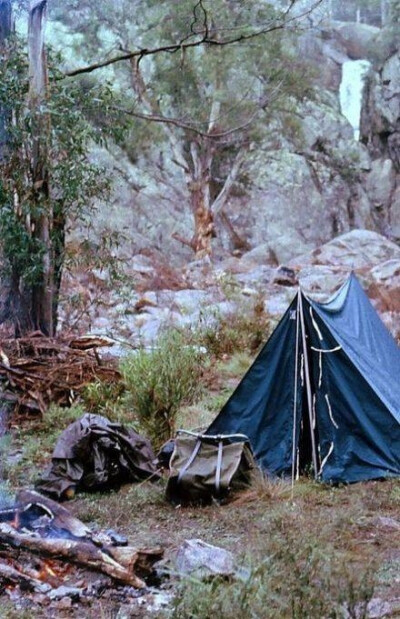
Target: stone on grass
203, 560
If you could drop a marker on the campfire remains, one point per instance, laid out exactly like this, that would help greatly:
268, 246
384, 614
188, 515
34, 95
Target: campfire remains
40, 526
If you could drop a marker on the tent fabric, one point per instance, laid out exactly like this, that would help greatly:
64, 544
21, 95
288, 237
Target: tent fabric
94, 453
354, 365
358, 329
262, 405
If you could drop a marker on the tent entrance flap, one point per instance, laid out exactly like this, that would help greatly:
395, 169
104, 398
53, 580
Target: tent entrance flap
311, 419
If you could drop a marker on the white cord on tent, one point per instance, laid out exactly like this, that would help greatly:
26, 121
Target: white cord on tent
314, 417
302, 370
321, 350
324, 461
315, 325
320, 370
330, 411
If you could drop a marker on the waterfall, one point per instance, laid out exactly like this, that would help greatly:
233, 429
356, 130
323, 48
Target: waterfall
350, 92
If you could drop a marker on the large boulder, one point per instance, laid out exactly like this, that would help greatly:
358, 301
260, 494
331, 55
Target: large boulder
358, 250
357, 39
374, 258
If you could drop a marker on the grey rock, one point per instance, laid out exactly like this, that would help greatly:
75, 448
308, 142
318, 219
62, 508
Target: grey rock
357, 39
385, 522
258, 276
358, 249
204, 560
189, 300
64, 591
378, 608
142, 264
381, 182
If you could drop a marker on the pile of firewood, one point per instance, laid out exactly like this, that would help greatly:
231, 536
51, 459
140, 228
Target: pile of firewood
36, 370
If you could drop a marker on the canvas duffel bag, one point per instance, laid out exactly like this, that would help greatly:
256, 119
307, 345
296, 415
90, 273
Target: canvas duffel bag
204, 467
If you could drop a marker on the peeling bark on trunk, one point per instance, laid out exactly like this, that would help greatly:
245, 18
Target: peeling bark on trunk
196, 166
198, 183
43, 291
204, 232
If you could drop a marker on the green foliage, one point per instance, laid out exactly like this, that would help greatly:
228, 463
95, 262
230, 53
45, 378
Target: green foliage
160, 381
22, 251
249, 80
74, 181
244, 329
297, 578
107, 399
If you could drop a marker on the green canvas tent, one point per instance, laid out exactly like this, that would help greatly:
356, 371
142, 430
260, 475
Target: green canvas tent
323, 393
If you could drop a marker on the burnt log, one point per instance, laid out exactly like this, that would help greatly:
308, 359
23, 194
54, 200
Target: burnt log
11, 575
85, 554
62, 519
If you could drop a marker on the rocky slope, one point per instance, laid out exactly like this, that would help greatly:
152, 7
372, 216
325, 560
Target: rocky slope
201, 293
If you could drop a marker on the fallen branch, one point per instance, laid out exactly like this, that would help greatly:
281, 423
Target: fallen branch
38, 370
86, 554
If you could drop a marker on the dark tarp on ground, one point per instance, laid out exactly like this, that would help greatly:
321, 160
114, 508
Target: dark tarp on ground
355, 368
93, 454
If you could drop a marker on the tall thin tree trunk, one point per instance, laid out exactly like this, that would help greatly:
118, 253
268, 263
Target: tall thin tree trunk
42, 219
5, 113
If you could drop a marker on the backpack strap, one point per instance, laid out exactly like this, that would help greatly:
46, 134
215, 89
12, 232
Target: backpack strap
219, 466
190, 460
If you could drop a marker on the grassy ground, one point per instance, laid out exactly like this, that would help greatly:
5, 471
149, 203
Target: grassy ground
308, 551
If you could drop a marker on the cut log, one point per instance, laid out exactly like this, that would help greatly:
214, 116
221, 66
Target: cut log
85, 554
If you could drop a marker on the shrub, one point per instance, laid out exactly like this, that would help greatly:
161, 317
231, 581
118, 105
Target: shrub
106, 399
296, 577
245, 329
158, 382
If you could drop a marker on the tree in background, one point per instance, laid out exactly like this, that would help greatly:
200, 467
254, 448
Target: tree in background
46, 177
221, 70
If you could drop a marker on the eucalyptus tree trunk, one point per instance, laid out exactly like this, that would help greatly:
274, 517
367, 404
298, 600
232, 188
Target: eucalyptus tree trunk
198, 184
195, 156
41, 215
5, 31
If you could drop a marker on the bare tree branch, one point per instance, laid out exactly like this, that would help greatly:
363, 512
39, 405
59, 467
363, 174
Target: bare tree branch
205, 39
221, 200
186, 126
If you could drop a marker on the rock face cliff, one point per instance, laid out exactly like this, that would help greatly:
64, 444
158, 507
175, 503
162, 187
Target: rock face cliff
336, 177
380, 132
308, 184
